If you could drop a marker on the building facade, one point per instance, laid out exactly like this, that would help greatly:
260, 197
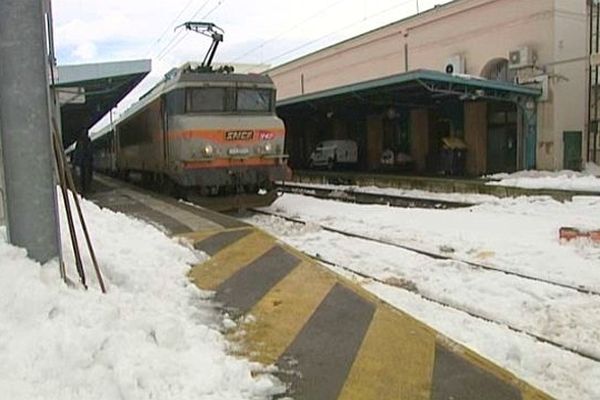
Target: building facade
541, 43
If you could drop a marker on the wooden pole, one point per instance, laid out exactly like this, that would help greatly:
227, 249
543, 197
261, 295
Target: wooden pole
71, 186
64, 192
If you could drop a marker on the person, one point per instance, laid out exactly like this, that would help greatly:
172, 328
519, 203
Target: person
84, 161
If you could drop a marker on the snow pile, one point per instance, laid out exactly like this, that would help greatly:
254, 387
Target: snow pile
592, 169
154, 335
473, 198
586, 181
519, 235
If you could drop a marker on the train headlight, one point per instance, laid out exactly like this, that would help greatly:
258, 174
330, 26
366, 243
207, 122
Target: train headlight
208, 150
268, 148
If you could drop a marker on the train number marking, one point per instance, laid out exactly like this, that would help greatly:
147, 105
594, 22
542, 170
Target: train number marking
266, 135
239, 135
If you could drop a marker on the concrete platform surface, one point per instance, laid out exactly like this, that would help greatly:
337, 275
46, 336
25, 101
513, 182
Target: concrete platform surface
173, 216
329, 338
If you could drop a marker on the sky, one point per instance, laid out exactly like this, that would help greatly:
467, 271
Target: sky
258, 31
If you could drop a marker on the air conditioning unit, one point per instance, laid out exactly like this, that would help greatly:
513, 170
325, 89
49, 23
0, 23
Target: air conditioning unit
521, 58
456, 65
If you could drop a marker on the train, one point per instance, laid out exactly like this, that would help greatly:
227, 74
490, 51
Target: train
200, 134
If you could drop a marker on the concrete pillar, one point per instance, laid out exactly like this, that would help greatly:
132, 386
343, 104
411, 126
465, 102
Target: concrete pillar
374, 141
476, 137
2, 189
419, 137
25, 129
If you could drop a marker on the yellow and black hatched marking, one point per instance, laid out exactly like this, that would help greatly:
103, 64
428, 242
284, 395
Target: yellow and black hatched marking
329, 337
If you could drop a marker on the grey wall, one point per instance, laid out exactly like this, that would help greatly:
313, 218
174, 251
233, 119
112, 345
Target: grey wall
2, 202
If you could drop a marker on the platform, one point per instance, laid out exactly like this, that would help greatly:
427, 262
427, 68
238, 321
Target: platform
428, 183
172, 216
329, 338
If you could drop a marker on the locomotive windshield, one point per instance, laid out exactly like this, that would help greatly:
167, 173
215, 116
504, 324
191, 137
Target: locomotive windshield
254, 100
215, 99
206, 99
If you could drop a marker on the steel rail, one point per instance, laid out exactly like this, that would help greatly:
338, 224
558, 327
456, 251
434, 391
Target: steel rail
360, 197
437, 256
473, 314
432, 299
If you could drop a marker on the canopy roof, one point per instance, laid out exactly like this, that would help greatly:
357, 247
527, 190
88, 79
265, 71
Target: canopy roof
418, 88
87, 92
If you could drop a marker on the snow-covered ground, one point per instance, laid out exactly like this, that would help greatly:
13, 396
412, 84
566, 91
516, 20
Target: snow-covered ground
153, 336
586, 181
472, 198
514, 234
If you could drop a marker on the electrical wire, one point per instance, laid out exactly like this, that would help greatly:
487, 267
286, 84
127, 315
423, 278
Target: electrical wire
178, 35
202, 8
162, 35
175, 40
337, 31
260, 46
174, 45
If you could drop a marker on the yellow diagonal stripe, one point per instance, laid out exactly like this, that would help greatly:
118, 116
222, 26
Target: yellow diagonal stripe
395, 361
216, 270
283, 312
528, 392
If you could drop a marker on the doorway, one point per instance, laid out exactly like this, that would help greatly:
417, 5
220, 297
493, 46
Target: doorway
572, 154
502, 138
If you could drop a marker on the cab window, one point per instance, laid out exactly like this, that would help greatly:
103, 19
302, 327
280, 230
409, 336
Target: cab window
205, 100
258, 100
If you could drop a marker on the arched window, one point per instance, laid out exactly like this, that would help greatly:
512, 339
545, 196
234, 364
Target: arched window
497, 70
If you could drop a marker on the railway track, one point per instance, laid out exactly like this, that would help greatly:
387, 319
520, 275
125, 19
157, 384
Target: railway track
363, 197
438, 256
414, 289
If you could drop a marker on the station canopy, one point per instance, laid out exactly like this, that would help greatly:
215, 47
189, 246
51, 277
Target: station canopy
413, 89
87, 92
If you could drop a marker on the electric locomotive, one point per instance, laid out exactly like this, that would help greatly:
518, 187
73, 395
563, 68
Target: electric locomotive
203, 132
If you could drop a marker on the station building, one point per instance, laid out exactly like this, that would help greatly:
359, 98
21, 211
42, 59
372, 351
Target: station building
507, 79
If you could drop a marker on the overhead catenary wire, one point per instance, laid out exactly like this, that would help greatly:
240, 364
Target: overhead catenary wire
202, 8
280, 34
316, 40
173, 22
178, 34
174, 42
174, 45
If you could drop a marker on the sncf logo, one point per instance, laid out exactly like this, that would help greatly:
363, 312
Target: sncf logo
239, 135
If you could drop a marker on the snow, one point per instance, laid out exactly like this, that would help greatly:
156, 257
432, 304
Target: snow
154, 335
513, 234
472, 198
586, 181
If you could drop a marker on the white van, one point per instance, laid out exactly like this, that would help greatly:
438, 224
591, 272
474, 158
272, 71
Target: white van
331, 153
